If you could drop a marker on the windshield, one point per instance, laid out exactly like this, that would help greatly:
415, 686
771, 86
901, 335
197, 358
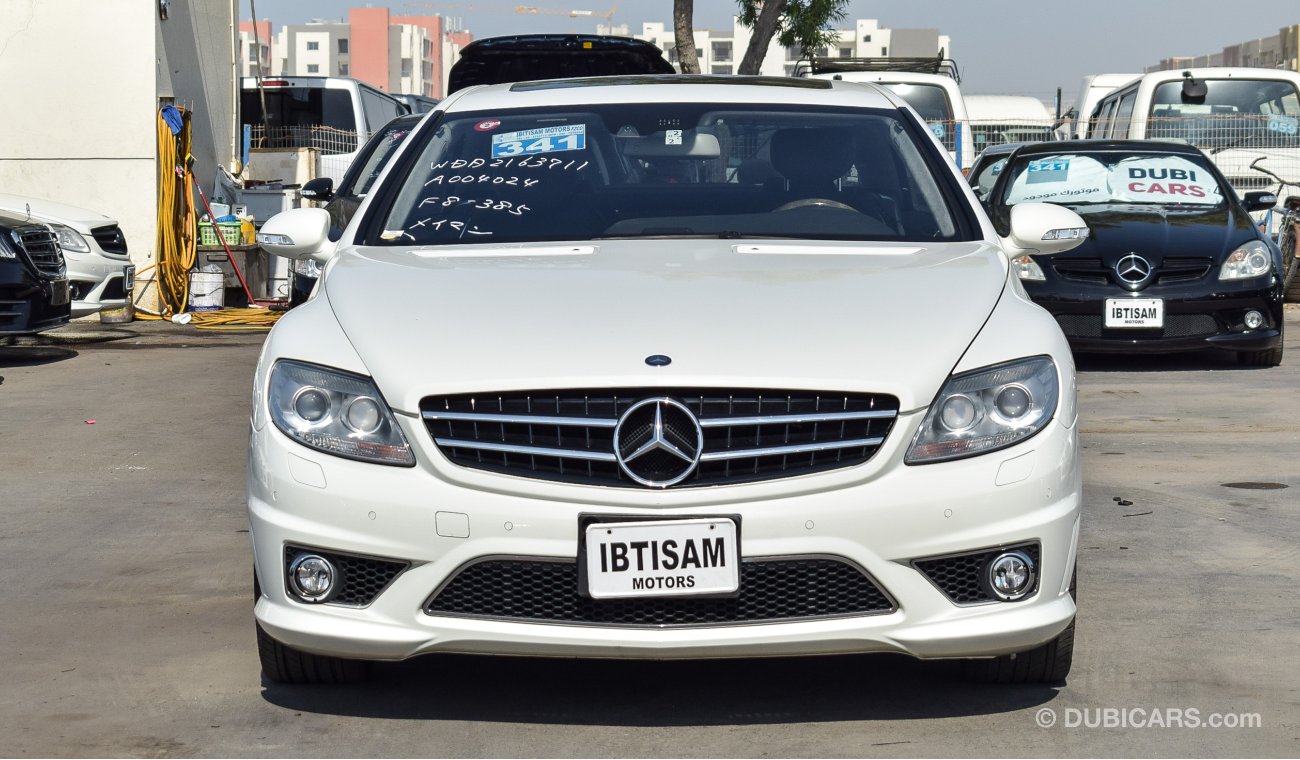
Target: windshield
988, 133
370, 166
1255, 112
666, 170
1090, 179
931, 102
301, 117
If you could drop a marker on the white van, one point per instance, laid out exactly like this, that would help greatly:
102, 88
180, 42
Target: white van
1091, 91
334, 114
936, 97
1239, 116
1002, 119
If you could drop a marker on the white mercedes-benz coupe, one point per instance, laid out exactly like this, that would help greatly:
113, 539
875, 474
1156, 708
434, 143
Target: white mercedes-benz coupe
667, 367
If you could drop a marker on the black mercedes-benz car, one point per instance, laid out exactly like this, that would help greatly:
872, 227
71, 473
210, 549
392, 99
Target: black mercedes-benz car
1173, 262
34, 293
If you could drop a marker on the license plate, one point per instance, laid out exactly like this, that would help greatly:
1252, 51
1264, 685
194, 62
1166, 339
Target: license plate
1135, 312
128, 277
60, 293
691, 557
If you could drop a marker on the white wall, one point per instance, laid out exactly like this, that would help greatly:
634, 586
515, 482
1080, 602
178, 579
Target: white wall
84, 72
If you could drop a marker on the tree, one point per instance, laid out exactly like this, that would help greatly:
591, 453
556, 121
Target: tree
684, 32
807, 24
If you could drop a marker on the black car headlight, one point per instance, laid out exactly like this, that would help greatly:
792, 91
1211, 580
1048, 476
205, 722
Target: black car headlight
335, 412
986, 410
1252, 259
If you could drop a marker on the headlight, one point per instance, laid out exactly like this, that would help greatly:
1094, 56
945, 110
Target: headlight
1250, 260
1027, 269
306, 267
986, 410
70, 239
335, 412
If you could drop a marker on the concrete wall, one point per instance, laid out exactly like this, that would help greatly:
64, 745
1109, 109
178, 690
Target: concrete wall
83, 72
196, 70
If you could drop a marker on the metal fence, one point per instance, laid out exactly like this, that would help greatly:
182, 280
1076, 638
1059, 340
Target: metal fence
328, 140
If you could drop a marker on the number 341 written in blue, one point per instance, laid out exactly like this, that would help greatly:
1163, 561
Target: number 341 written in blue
534, 141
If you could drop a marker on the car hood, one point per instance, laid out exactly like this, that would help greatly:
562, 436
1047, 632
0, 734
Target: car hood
80, 219
1156, 233
882, 318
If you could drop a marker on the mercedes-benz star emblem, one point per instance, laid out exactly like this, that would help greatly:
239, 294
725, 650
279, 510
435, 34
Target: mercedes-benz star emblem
658, 442
1133, 269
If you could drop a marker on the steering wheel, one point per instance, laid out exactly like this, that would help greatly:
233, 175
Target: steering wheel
815, 203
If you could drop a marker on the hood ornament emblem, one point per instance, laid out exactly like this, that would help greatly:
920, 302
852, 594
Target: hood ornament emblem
658, 360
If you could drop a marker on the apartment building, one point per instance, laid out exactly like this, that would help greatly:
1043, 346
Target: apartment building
1279, 51
398, 54
721, 51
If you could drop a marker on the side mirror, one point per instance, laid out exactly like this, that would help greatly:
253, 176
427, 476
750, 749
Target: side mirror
297, 234
1259, 200
320, 189
1042, 228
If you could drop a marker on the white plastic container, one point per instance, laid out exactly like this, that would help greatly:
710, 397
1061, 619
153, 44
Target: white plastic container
207, 291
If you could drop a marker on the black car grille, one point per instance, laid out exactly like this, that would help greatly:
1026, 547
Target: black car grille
1188, 269
749, 435
546, 591
41, 246
1082, 270
361, 578
110, 239
1176, 326
962, 578
1170, 270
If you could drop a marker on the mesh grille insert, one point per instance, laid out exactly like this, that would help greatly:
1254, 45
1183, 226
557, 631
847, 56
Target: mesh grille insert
546, 591
961, 577
362, 578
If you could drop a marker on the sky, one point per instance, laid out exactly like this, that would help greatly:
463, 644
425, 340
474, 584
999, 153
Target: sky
1003, 47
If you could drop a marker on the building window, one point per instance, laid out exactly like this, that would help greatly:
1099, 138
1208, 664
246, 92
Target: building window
343, 46
724, 69
846, 52
866, 38
313, 68
406, 67
722, 51
884, 51
343, 69
313, 46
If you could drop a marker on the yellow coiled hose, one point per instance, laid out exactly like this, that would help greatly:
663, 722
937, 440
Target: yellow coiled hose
175, 246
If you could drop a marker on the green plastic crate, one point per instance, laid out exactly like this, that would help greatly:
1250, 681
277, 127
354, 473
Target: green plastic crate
208, 235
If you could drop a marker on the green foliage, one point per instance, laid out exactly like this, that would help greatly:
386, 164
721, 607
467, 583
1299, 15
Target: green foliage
806, 24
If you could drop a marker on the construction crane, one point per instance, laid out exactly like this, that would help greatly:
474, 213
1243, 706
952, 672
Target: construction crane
523, 10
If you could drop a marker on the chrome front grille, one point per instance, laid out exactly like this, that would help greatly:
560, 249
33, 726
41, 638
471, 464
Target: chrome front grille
42, 248
110, 239
747, 435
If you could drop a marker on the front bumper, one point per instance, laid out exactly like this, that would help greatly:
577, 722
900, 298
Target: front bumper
880, 516
99, 281
29, 305
1196, 317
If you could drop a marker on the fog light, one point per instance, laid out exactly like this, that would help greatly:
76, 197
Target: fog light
312, 577
1253, 320
1011, 576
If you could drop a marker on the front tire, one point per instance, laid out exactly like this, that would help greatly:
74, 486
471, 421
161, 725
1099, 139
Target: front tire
1047, 664
1269, 358
284, 664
